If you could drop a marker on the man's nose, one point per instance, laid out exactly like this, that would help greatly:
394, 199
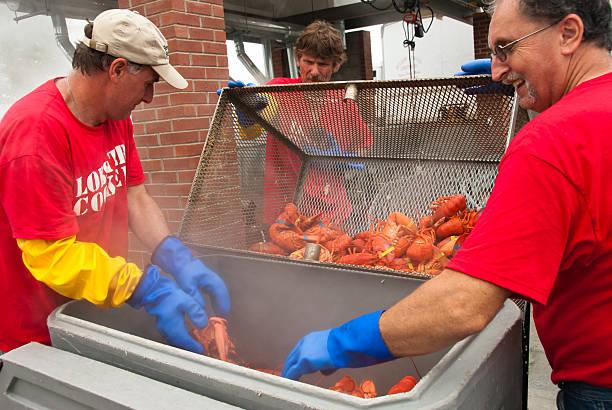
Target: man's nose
498, 69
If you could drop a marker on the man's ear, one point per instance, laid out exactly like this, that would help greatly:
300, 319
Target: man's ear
572, 30
118, 69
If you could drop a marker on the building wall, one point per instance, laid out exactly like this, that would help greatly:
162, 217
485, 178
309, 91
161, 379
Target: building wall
359, 63
481, 31
171, 130
280, 63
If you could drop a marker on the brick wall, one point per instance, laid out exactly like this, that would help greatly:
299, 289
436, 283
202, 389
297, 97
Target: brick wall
280, 63
366, 60
170, 132
359, 53
481, 31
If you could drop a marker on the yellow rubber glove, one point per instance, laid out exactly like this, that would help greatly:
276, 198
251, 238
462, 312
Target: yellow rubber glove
80, 270
250, 130
271, 109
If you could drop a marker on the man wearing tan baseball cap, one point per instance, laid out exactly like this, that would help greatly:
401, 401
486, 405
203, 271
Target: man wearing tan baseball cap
71, 183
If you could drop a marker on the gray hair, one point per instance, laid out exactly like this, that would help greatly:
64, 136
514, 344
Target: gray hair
596, 16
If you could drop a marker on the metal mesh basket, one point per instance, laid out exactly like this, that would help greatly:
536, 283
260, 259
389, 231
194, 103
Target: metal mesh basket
354, 151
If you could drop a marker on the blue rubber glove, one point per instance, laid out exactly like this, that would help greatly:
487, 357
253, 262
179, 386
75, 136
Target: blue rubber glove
191, 274
476, 67
480, 67
234, 84
334, 150
357, 343
162, 298
259, 103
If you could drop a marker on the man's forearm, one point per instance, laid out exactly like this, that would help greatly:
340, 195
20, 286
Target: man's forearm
439, 313
146, 218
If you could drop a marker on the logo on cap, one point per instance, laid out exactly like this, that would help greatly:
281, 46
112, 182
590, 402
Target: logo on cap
166, 50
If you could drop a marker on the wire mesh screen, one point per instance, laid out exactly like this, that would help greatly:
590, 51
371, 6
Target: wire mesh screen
352, 152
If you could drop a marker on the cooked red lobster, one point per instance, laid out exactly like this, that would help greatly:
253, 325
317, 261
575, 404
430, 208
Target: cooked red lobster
447, 206
215, 339
397, 242
367, 388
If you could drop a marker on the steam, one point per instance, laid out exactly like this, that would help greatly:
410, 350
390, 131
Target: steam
29, 55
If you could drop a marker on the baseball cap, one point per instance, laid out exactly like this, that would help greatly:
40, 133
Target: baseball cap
126, 33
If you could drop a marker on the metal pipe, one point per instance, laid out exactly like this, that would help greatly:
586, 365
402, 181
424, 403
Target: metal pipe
267, 44
340, 26
293, 70
248, 63
247, 25
61, 35
382, 41
17, 19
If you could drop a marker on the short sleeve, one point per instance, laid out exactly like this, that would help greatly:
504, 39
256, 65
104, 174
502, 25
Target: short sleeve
135, 174
520, 239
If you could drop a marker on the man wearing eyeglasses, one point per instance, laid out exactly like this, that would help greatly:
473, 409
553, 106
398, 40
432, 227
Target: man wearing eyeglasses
546, 233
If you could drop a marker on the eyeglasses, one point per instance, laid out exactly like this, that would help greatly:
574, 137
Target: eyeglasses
501, 52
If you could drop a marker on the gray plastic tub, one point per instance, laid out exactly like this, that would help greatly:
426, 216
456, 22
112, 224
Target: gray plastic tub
274, 304
39, 377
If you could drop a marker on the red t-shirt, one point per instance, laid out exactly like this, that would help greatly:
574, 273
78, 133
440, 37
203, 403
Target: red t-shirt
546, 232
325, 191
58, 178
